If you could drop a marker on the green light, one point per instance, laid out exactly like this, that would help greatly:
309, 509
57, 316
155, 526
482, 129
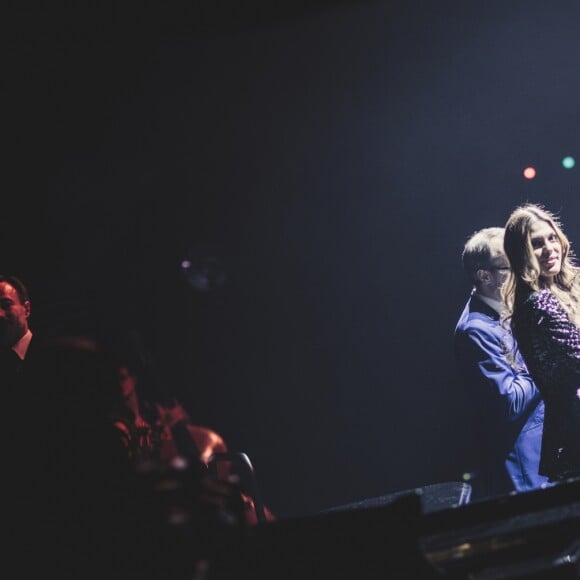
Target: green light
568, 162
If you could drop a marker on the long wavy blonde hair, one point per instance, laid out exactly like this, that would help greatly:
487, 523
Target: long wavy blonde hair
525, 276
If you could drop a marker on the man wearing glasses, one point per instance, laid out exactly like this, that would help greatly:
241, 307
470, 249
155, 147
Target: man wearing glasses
508, 411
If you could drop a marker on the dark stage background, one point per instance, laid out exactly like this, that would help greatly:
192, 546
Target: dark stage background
325, 161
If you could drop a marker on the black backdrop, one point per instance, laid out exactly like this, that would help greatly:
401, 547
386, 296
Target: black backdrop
328, 159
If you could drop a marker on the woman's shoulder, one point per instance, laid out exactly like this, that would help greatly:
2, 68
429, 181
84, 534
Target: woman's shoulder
543, 302
540, 298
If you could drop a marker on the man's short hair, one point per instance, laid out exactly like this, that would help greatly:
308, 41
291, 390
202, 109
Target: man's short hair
477, 251
18, 285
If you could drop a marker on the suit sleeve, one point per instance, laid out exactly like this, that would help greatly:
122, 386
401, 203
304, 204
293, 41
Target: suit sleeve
505, 391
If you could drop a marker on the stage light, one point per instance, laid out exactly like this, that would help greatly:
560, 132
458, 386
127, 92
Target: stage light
203, 269
529, 173
568, 162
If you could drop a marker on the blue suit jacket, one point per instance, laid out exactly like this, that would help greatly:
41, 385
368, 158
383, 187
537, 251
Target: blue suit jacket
508, 406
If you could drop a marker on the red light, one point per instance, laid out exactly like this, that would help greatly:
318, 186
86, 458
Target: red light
529, 173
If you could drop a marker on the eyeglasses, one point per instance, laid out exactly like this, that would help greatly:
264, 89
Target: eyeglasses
498, 268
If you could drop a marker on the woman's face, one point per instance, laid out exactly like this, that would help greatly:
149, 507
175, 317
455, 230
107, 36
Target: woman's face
547, 248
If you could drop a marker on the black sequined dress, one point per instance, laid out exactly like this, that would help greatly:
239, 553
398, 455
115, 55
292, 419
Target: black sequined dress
550, 345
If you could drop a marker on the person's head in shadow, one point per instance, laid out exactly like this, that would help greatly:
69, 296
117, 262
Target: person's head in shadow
14, 310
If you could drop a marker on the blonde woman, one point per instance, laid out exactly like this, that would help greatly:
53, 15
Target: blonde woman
542, 294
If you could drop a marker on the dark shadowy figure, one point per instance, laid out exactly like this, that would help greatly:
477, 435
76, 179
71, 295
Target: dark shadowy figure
94, 515
157, 429
75, 506
15, 333
149, 425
